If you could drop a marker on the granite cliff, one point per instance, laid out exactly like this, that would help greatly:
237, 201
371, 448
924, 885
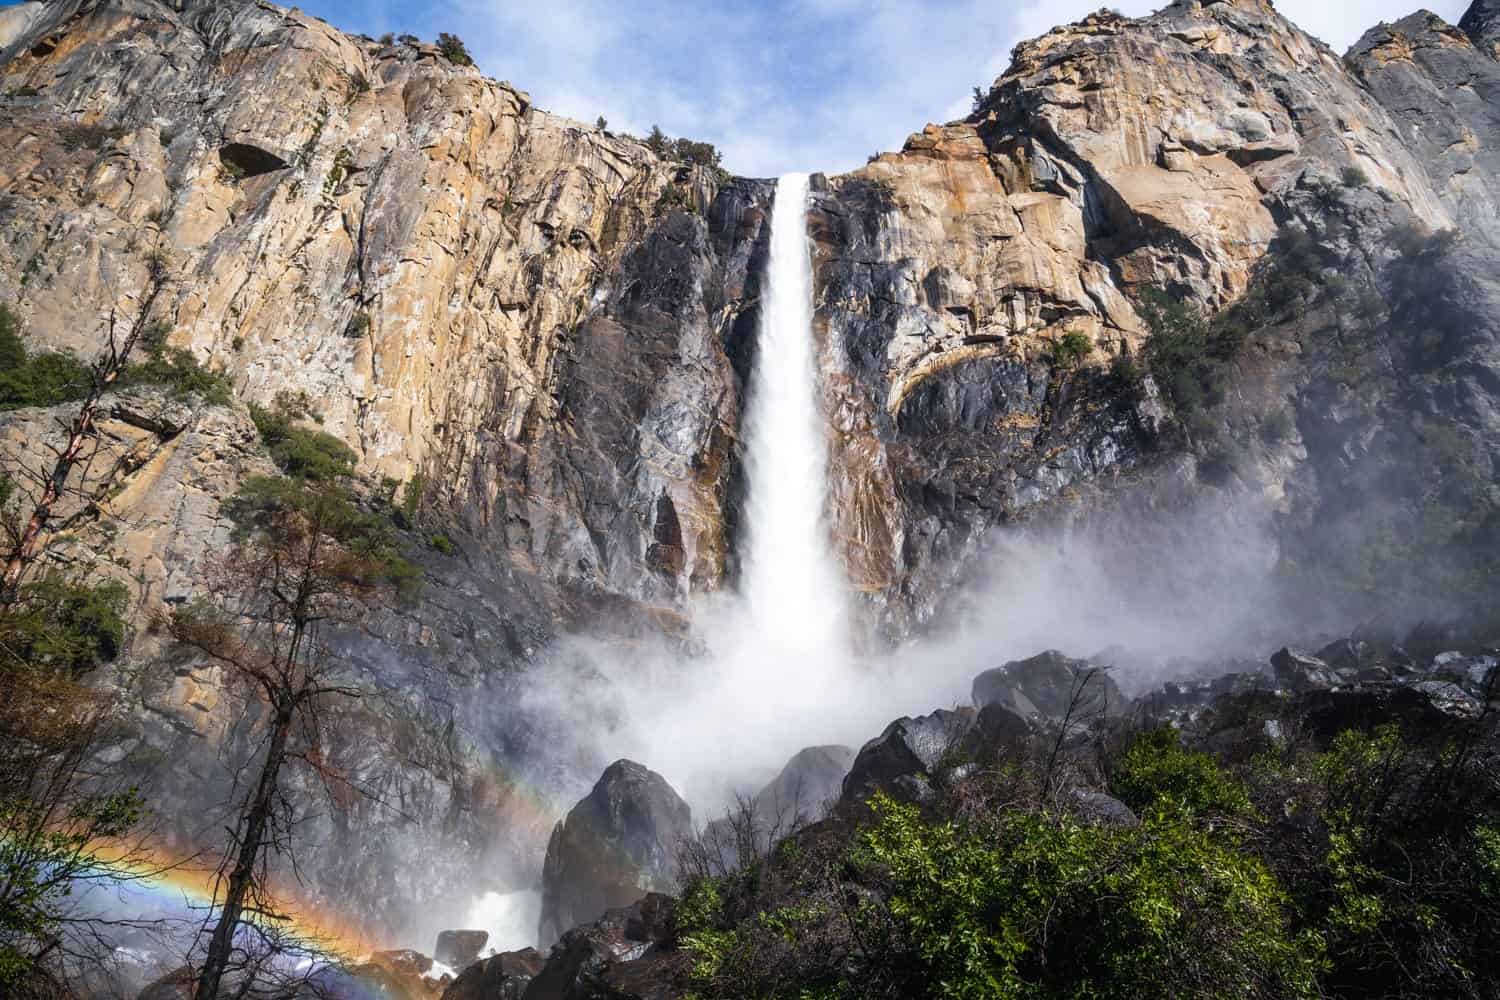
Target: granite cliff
545, 330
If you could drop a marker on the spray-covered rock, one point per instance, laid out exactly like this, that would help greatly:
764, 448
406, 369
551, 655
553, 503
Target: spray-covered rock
616, 845
1050, 686
915, 756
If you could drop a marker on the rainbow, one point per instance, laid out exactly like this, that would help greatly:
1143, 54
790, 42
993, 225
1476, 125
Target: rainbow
170, 881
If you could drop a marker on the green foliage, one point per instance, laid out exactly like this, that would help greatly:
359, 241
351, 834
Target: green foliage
325, 507
443, 544
411, 500
178, 370
1071, 349
1157, 771
44, 378
42, 864
61, 624
601, 123
691, 151
299, 451
1036, 906
1354, 177
1188, 353
453, 49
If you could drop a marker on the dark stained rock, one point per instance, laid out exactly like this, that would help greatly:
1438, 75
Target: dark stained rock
585, 960
1423, 709
1300, 671
505, 976
914, 756
458, 949
1049, 685
616, 844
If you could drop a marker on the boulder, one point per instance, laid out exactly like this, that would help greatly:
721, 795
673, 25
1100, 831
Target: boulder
617, 844
587, 961
505, 976
458, 949
1099, 809
1050, 686
914, 756
802, 793
1297, 670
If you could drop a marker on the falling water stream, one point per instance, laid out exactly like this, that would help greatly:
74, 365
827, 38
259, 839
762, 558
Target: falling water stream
791, 584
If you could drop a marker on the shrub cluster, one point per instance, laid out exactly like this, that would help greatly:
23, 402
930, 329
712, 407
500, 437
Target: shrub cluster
1367, 867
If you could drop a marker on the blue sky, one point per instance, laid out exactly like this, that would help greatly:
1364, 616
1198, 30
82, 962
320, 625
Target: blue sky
777, 85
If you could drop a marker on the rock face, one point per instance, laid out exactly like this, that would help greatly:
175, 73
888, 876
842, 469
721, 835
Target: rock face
617, 844
546, 329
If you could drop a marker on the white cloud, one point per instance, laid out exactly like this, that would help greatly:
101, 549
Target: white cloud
795, 84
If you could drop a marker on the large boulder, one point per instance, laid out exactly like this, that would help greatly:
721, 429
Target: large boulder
505, 976
802, 793
1301, 671
915, 756
600, 959
1049, 686
457, 949
617, 844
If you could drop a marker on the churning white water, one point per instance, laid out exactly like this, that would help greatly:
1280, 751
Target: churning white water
791, 584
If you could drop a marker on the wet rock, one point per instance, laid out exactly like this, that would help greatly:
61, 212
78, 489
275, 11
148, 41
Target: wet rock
582, 963
913, 757
457, 949
1301, 671
406, 960
1422, 709
1049, 685
802, 793
505, 976
616, 844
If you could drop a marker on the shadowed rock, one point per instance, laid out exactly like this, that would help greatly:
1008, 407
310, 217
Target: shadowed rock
618, 843
500, 977
915, 755
457, 949
1051, 686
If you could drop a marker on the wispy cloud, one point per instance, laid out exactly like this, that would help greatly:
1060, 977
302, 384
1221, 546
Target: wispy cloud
781, 84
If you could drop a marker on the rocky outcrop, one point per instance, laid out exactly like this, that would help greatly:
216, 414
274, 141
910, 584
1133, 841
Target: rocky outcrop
617, 844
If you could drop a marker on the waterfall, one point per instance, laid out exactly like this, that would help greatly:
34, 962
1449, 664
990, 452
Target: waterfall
791, 583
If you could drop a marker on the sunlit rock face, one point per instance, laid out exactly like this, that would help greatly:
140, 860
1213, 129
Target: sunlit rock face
1115, 155
552, 328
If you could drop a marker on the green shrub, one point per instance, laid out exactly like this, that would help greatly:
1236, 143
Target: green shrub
178, 370
64, 624
1071, 349
453, 49
45, 378
1157, 771
411, 500
1032, 905
1353, 177
301, 452
443, 544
